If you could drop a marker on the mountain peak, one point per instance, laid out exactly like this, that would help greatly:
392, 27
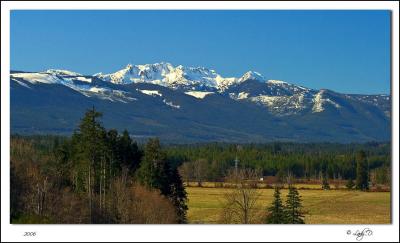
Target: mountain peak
253, 76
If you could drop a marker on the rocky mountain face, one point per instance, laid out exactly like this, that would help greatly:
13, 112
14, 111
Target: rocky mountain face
195, 104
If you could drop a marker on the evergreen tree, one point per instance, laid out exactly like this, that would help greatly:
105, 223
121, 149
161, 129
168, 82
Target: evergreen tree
89, 156
113, 152
153, 170
17, 186
178, 195
128, 152
362, 171
276, 212
293, 207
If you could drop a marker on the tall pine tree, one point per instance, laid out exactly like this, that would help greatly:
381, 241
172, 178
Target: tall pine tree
89, 153
276, 212
293, 207
362, 171
178, 195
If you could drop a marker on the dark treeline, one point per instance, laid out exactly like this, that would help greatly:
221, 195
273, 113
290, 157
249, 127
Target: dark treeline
210, 162
96, 176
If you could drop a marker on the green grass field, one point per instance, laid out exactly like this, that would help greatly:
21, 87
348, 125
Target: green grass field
324, 207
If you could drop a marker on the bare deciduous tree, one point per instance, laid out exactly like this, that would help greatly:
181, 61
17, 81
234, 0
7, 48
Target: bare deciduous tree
240, 201
136, 204
186, 171
200, 170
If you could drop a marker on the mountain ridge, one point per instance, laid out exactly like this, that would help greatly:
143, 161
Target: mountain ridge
167, 95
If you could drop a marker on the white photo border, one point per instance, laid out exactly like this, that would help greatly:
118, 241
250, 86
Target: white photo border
176, 233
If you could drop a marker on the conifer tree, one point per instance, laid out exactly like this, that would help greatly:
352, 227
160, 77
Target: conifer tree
155, 172
178, 195
128, 152
113, 152
89, 152
362, 171
276, 213
293, 207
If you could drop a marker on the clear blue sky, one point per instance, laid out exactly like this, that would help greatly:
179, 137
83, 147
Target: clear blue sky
346, 51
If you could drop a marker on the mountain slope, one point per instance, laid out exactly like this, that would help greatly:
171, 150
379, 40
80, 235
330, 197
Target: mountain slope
184, 104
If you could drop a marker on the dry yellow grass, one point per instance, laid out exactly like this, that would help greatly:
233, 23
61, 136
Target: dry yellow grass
324, 207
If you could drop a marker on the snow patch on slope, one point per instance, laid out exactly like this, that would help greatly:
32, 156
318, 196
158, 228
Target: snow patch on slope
198, 94
239, 96
171, 104
150, 92
37, 77
266, 100
319, 102
63, 72
22, 83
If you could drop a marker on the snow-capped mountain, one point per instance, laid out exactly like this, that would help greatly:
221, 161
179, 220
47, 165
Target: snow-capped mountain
186, 92
179, 77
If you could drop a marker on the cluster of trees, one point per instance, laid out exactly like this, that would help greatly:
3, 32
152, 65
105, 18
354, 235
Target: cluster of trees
290, 213
96, 176
242, 202
362, 175
323, 162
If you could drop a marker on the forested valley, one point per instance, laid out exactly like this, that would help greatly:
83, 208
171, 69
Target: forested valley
104, 176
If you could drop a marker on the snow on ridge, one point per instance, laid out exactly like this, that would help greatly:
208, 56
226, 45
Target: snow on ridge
150, 92
293, 87
63, 72
198, 94
98, 90
72, 79
239, 96
319, 102
198, 82
265, 99
37, 78
252, 75
83, 79
86, 89
167, 75
243, 95
22, 83
272, 81
105, 93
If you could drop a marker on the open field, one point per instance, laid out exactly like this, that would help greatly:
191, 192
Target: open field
324, 207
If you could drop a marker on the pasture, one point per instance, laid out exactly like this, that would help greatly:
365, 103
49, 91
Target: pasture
323, 206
